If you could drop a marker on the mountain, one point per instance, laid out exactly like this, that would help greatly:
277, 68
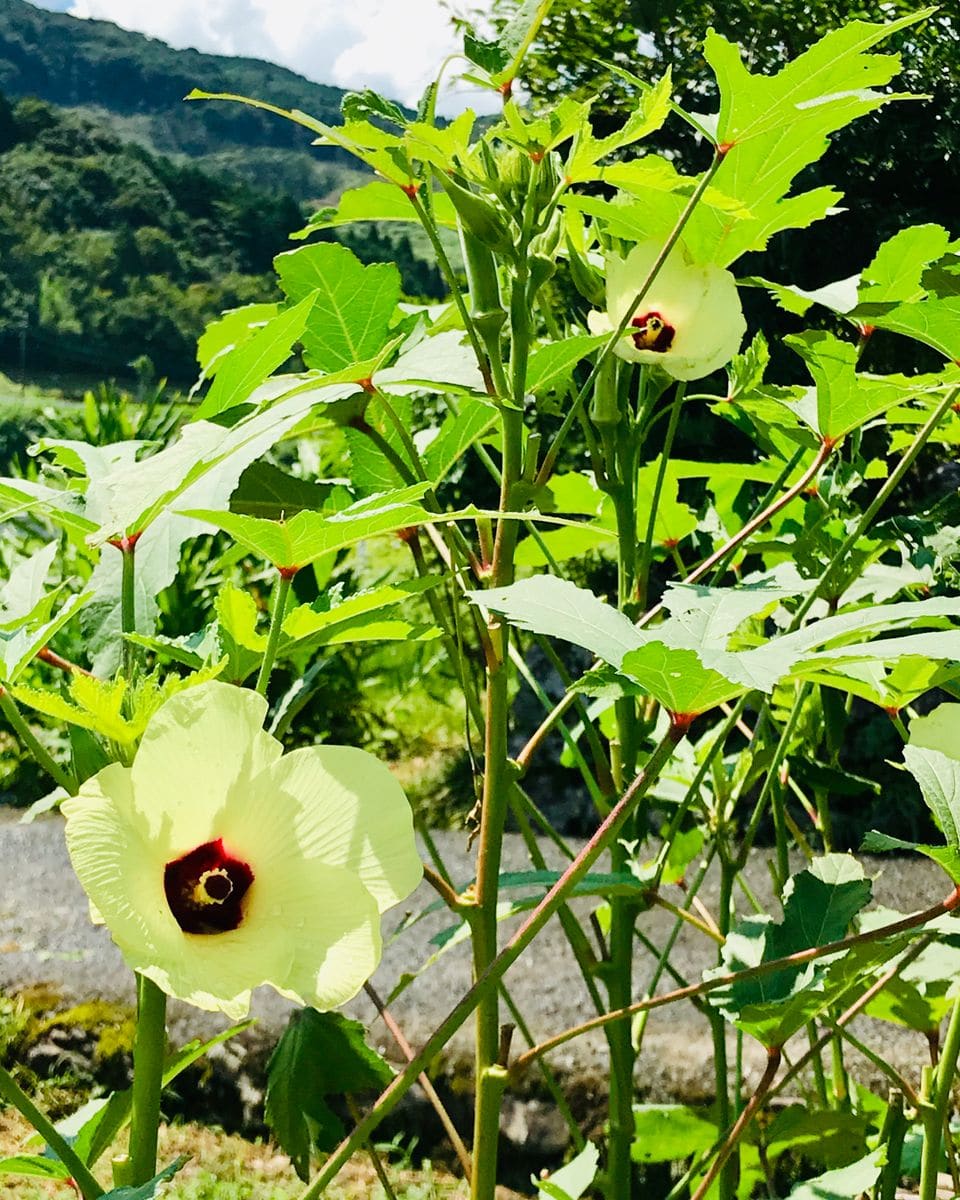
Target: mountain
128, 219
137, 83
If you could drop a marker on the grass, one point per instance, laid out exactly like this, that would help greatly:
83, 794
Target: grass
223, 1167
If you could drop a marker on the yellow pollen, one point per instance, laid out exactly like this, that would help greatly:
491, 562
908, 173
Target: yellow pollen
213, 887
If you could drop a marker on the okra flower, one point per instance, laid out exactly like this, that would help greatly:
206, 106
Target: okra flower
689, 322
218, 863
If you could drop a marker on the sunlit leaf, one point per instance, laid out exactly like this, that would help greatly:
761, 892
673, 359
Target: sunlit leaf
349, 306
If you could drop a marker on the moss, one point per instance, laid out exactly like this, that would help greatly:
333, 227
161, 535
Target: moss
112, 1025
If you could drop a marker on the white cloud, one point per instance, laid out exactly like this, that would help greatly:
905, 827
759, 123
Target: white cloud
393, 46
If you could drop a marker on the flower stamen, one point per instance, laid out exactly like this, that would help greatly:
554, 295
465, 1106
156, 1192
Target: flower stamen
205, 889
652, 333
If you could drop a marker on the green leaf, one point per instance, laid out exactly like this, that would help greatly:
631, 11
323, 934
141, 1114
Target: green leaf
244, 368
845, 400
267, 492
378, 201
938, 730
746, 370
496, 55
844, 1182
895, 274
350, 305
839, 296
360, 106
939, 778
947, 857
237, 325
319, 1055
456, 435
238, 638
37, 1165
935, 323
652, 109
558, 608
831, 1138
571, 1181
776, 125
439, 362
366, 616
819, 904
23, 597
551, 366
668, 1132
678, 679
19, 646
888, 686
310, 535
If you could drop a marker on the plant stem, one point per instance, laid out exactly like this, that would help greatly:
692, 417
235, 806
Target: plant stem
935, 1105
11, 1091
26, 735
551, 902
829, 577
450, 276
800, 958
646, 554
276, 626
763, 1087
488, 1089
895, 1127
129, 653
429, 1090
148, 1054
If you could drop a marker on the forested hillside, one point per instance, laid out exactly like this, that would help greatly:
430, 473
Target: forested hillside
109, 252
139, 84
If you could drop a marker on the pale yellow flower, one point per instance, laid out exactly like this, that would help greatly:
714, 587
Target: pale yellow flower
218, 863
689, 322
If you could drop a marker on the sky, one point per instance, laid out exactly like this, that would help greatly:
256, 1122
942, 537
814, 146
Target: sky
393, 46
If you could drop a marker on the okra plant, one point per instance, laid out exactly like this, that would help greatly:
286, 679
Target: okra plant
740, 605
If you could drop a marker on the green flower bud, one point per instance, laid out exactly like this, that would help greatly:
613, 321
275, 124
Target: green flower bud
479, 215
585, 277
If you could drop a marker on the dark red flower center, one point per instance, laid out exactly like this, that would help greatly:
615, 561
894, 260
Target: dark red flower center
652, 333
205, 889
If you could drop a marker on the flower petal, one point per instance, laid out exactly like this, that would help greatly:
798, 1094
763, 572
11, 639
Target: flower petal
202, 743
351, 813
119, 863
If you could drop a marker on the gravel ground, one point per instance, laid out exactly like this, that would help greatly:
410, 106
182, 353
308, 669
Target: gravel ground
46, 937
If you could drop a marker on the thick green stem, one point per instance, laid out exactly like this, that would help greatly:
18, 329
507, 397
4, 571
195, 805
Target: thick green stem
498, 778
483, 920
646, 554
623, 913
276, 626
129, 652
26, 735
11, 1091
935, 1105
489, 1094
605, 835
892, 1136
148, 1054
